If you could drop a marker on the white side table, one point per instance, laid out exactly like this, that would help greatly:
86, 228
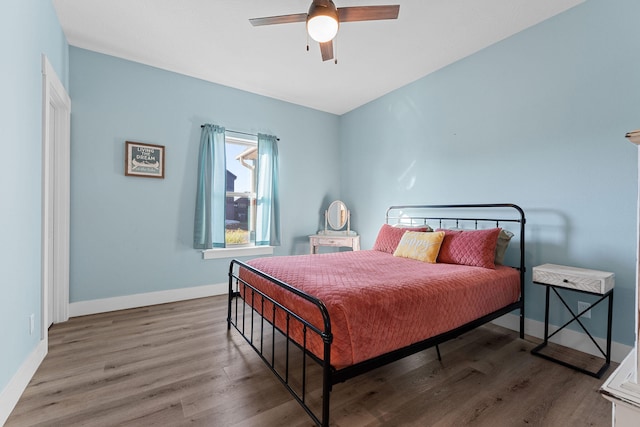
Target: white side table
582, 280
347, 241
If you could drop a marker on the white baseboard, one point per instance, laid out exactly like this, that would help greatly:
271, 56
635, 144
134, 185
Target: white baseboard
16, 386
82, 308
566, 337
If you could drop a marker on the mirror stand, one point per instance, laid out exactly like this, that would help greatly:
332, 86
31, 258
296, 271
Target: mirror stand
327, 230
336, 218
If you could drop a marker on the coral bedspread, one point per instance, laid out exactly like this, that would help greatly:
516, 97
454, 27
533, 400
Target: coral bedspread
377, 302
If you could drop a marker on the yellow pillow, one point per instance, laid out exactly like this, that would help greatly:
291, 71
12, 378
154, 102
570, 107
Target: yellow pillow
419, 245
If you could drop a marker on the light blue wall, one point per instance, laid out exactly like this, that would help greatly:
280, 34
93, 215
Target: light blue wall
28, 28
132, 235
538, 120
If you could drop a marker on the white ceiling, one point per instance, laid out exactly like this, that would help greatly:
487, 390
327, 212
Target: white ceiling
213, 40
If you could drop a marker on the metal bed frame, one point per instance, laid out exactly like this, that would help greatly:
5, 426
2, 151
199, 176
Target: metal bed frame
260, 330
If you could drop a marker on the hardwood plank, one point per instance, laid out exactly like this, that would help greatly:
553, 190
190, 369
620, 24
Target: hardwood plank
177, 364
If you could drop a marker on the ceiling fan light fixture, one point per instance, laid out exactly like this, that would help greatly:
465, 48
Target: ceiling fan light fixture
322, 28
322, 21
324, 18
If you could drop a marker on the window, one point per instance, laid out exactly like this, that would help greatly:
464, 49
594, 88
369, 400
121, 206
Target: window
240, 205
237, 203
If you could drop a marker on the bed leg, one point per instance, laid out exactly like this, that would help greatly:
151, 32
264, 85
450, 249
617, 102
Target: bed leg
326, 395
230, 294
327, 381
522, 322
229, 312
438, 351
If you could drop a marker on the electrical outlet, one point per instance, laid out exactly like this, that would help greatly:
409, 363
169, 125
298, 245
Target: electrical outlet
583, 306
32, 323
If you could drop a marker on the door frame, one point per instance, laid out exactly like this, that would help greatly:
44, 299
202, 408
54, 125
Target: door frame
56, 146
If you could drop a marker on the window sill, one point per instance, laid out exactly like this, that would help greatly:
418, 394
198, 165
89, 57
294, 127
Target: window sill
235, 252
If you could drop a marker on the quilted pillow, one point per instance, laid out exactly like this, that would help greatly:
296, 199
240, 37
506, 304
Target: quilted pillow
504, 238
473, 247
501, 246
420, 246
389, 237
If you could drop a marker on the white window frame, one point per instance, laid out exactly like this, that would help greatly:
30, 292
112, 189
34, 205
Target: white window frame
246, 249
218, 253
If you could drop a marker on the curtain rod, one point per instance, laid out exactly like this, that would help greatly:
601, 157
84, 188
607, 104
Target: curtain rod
242, 133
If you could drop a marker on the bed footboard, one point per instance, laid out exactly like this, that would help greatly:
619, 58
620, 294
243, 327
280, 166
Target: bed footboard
246, 314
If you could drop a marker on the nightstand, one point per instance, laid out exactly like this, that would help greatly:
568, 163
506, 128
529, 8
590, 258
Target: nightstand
581, 280
336, 240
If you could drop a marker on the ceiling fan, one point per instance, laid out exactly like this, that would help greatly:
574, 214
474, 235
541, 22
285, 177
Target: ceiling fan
324, 18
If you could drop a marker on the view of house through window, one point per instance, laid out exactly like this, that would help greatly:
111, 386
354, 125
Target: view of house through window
240, 214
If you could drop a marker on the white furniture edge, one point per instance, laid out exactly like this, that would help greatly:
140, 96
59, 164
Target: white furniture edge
622, 388
334, 240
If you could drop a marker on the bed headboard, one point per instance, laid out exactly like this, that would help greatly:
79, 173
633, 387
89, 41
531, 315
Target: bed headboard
472, 216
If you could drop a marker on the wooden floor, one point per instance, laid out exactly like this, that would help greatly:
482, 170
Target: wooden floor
176, 364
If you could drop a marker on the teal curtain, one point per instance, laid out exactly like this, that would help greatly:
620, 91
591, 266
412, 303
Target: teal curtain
268, 206
209, 224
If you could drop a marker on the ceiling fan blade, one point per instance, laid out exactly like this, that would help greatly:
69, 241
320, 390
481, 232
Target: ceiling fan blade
282, 19
368, 13
327, 50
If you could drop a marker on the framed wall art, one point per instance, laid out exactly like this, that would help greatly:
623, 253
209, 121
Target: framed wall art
146, 160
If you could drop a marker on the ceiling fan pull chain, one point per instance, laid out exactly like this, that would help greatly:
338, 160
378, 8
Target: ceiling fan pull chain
307, 42
335, 50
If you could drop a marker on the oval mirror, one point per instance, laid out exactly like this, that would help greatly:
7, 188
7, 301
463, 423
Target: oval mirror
337, 215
